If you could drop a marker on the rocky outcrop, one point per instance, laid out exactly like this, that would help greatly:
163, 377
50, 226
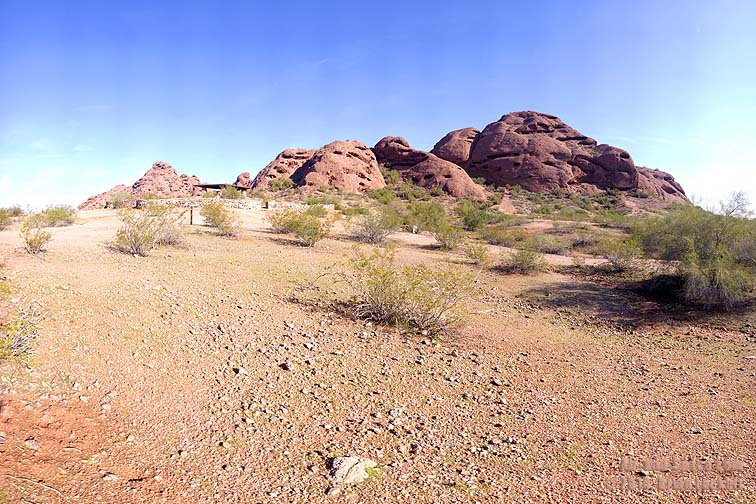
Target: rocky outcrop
425, 169
455, 146
347, 166
284, 165
161, 180
541, 153
244, 179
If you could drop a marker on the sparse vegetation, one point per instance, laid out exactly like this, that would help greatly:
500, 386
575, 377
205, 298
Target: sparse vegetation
714, 252
478, 254
34, 234
505, 237
224, 220
17, 337
137, 234
448, 237
167, 228
228, 192
525, 261
472, 215
547, 244
309, 225
5, 218
425, 216
121, 200
281, 184
417, 297
376, 226
59, 215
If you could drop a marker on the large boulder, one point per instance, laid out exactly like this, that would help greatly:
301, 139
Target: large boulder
244, 179
347, 166
541, 153
283, 166
455, 146
425, 169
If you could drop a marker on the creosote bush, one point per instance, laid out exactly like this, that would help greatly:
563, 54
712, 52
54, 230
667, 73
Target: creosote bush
218, 216
228, 192
5, 218
524, 262
59, 215
478, 254
34, 234
425, 216
167, 219
17, 337
417, 297
448, 237
281, 184
376, 226
137, 234
309, 225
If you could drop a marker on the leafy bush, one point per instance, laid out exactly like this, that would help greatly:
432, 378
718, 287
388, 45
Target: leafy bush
448, 237
167, 219
383, 195
228, 192
34, 234
311, 229
5, 218
59, 215
17, 337
308, 225
525, 262
715, 253
210, 194
281, 184
221, 218
478, 254
471, 215
411, 192
416, 297
376, 226
621, 255
283, 221
504, 237
391, 177
121, 200
547, 244
425, 216
325, 199
137, 234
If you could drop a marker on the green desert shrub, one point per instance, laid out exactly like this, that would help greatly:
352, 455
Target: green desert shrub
17, 337
448, 237
167, 223
524, 262
281, 184
59, 215
34, 234
714, 253
376, 226
5, 218
504, 237
137, 234
384, 195
228, 192
218, 216
547, 244
478, 254
121, 200
472, 215
418, 297
425, 216
621, 254
308, 225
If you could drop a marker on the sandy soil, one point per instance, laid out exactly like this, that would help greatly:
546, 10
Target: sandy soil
209, 373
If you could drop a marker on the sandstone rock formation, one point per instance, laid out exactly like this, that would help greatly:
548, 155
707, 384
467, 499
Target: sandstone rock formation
541, 153
284, 165
160, 180
426, 169
455, 146
244, 179
347, 166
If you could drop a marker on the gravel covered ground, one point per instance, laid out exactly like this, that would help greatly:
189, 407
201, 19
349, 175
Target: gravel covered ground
211, 373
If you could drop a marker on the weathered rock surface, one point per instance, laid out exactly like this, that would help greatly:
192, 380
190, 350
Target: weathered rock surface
348, 166
351, 470
541, 153
160, 180
244, 179
425, 169
455, 146
284, 165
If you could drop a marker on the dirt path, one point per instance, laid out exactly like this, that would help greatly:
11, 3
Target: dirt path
192, 376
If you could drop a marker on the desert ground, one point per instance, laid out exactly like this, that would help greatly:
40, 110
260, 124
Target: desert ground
225, 370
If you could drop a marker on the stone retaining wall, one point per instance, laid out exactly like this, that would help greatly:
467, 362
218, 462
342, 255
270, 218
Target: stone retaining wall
240, 204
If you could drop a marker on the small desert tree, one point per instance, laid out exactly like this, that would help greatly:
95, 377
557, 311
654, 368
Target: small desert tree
376, 226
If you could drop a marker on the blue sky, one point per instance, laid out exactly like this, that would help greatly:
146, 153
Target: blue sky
91, 93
